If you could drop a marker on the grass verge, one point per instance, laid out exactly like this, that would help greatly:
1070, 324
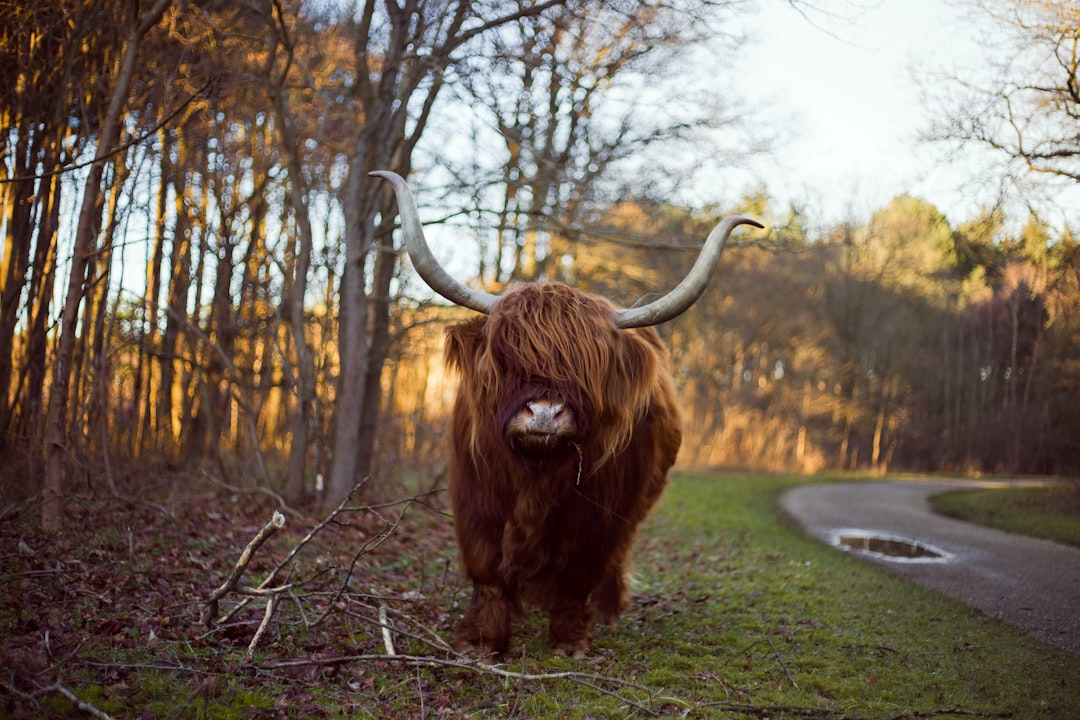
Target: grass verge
1049, 512
735, 615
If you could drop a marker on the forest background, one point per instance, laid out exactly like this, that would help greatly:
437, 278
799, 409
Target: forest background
198, 271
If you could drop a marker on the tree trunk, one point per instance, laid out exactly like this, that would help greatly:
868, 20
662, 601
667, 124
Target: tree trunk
41, 296
384, 143
304, 389
94, 412
20, 203
301, 413
146, 379
879, 430
168, 416
378, 348
353, 339
56, 431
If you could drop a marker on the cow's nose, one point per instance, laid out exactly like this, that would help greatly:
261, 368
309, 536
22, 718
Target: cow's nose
544, 415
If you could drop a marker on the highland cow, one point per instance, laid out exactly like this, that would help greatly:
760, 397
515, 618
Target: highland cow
564, 427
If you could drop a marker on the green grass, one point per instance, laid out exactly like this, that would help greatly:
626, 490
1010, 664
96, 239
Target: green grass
1050, 512
735, 615
779, 619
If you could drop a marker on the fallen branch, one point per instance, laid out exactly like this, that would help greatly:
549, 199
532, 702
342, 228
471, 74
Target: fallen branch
274, 594
387, 633
83, 705
783, 665
210, 614
78, 702
589, 680
291, 555
430, 637
257, 489
371, 544
766, 711
270, 605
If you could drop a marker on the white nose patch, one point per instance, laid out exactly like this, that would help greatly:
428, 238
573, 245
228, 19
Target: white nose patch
544, 416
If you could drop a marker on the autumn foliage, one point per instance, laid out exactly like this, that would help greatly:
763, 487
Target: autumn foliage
232, 300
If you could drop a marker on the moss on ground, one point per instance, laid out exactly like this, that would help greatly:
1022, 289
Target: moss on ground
734, 615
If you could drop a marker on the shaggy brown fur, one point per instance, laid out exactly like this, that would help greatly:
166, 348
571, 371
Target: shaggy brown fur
545, 510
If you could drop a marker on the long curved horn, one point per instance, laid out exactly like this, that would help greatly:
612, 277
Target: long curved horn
683, 295
422, 258
661, 310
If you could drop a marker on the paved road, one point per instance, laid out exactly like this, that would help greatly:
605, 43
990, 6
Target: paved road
1033, 584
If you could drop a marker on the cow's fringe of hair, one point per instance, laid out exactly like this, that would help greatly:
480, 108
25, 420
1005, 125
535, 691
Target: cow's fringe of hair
567, 338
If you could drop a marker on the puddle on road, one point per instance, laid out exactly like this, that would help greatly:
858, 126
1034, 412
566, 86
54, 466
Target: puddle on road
888, 547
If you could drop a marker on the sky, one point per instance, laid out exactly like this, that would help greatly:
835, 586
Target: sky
846, 88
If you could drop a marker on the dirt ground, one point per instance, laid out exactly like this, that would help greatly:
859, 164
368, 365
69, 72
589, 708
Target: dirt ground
127, 580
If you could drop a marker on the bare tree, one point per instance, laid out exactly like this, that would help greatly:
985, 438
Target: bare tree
1022, 103
279, 65
402, 57
89, 218
57, 46
570, 98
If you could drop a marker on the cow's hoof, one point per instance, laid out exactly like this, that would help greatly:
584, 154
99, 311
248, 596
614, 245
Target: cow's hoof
578, 650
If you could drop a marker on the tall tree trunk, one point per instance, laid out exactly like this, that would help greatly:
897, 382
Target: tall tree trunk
353, 339
175, 310
222, 333
147, 380
304, 388
43, 275
378, 348
385, 143
20, 204
193, 427
879, 431
303, 377
56, 431
96, 326
304, 380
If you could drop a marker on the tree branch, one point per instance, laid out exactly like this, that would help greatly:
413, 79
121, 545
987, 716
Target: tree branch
277, 521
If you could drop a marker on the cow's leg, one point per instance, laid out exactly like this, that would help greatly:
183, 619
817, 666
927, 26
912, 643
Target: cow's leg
570, 627
612, 595
485, 629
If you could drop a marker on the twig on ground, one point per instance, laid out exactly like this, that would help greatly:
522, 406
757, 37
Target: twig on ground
270, 605
949, 711
15, 692
292, 554
589, 680
371, 544
776, 654
156, 667
343, 505
83, 705
430, 637
298, 547
274, 594
826, 714
258, 489
210, 614
387, 633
